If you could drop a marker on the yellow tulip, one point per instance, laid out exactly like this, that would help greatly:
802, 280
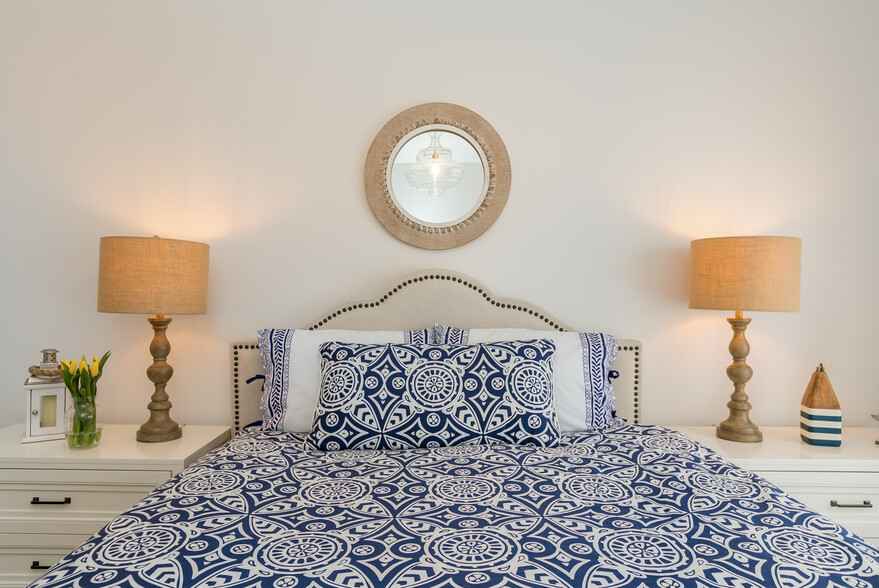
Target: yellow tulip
95, 367
83, 366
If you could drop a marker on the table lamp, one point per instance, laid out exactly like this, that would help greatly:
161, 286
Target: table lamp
739, 274
143, 275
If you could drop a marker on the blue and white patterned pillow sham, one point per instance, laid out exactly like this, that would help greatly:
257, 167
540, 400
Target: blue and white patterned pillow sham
292, 364
584, 397
409, 396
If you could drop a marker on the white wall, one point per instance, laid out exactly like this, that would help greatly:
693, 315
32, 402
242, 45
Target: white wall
632, 128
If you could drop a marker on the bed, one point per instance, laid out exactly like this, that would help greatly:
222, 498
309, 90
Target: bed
632, 504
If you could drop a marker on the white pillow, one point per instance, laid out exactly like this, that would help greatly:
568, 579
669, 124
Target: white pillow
292, 363
584, 399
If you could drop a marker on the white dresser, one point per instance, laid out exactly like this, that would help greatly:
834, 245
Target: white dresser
53, 498
840, 482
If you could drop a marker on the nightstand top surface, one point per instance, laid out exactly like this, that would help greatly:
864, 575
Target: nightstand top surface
782, 448
117, 446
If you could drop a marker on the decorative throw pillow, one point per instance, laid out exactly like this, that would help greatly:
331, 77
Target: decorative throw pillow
405, 396
584, 398
292, 365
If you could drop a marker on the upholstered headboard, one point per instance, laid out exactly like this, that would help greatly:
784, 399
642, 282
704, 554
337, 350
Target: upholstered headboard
416, 302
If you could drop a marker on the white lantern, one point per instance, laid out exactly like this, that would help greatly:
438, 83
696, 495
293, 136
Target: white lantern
46, 401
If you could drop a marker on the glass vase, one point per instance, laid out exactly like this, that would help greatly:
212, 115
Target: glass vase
83, 424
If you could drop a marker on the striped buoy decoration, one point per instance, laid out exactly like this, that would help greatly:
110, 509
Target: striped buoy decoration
820, 415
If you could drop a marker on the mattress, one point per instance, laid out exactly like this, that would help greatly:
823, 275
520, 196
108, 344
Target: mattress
634, 506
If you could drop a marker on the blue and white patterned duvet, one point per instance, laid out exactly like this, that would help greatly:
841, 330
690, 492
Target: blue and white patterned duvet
637, 506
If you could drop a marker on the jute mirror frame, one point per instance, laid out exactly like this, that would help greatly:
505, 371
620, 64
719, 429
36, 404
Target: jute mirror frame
396, 221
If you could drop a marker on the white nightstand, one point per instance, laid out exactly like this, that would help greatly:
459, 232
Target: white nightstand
839, 482
53, 498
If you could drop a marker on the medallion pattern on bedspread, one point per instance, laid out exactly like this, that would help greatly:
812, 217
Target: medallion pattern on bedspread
637, 506
399, 396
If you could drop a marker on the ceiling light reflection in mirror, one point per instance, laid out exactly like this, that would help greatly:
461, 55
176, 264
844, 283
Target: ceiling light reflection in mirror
454, 201
435, 171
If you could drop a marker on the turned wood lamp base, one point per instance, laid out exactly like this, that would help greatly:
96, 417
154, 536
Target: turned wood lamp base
159, 428
738, 426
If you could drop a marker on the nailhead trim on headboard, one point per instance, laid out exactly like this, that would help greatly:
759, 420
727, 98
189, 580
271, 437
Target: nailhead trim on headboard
236, 387
637, 381
411, 281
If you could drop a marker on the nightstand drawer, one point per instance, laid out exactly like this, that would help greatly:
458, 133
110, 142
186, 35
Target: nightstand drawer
70, 501
818, 489
19, 567
849, 498
24, 558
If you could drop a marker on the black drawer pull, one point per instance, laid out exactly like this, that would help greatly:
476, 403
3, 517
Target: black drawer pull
36, 566
866, 504
36, 500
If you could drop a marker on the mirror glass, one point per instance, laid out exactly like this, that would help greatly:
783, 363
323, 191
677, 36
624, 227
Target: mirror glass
425, 195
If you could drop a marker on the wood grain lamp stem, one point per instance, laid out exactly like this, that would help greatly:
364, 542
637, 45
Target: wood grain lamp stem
738, 425
159, 427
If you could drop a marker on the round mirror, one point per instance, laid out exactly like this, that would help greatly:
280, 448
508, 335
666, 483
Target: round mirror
437, 176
